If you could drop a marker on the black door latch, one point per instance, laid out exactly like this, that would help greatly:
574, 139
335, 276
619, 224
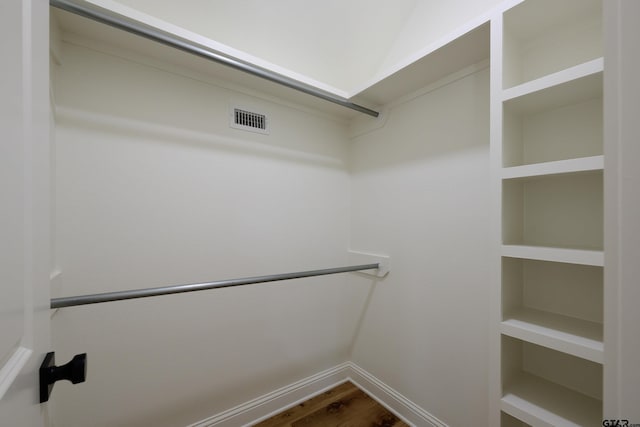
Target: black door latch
74, 371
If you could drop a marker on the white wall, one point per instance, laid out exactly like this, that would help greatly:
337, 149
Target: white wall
154, 188
421, 194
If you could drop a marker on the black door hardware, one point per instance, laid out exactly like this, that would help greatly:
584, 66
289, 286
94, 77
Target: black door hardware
74, 371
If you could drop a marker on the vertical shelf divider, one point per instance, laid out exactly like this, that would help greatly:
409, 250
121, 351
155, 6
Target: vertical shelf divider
495, 368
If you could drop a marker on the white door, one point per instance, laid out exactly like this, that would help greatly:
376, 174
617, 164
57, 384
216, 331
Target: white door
24, 208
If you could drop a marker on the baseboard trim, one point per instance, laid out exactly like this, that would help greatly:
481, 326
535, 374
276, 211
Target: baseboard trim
388, 397
266, 406
270, 404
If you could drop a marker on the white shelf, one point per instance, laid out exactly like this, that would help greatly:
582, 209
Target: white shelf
545, 36
549, 151
541, 403
584, 164
444, 57
569, 335
572, 91
565, 77
541, 253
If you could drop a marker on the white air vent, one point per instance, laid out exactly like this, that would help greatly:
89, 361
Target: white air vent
251, 121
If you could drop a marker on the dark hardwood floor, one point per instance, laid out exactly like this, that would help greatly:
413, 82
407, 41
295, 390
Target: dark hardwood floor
345, 406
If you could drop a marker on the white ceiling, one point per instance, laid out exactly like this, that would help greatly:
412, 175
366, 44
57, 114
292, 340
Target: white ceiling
370, 51
333, 41
340, 43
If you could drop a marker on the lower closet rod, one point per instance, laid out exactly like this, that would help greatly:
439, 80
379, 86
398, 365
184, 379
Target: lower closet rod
166, 290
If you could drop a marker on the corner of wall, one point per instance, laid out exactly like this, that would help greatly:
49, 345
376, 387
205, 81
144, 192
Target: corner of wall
268, 405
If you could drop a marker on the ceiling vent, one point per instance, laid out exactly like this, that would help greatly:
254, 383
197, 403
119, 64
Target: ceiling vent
251, 121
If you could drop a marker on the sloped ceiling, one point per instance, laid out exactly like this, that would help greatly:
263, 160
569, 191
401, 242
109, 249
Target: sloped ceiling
370, 51
333, 41
341, 43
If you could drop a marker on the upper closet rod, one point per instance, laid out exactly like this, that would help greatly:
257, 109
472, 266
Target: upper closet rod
166, 290
118, 21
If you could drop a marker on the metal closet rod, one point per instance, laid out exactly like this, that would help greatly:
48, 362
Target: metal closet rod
176, 289
131, 26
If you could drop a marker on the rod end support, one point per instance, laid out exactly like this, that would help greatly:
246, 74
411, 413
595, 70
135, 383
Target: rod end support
383, 261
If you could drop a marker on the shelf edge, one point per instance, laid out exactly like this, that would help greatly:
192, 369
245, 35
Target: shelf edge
576, 72
594, 353
558, 167
542, 253
514, 403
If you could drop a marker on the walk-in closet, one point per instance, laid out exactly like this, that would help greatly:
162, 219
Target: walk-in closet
228, 208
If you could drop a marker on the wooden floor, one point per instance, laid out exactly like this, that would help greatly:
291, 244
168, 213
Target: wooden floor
343, 406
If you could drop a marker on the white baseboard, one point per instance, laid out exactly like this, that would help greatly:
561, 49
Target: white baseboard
272, 403
404, 408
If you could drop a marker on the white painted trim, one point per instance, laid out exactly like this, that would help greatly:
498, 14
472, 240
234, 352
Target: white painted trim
495, 301
12, 368
613, 397
408, 411
268, 405
621, 210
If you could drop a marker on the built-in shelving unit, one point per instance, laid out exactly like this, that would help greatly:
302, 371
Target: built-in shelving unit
547, 143
578, 337
540, 402
545, 387
560, 211
542, 37
582, 81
